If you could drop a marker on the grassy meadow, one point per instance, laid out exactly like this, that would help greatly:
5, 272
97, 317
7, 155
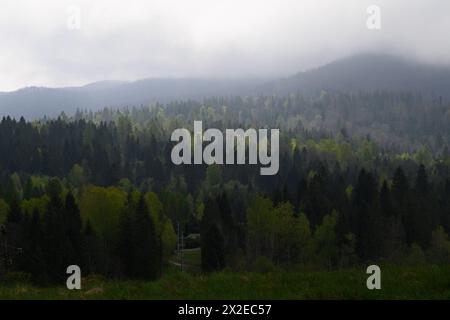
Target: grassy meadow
430, 282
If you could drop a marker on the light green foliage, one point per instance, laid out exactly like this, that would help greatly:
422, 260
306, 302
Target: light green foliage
348, 255
440, 246
342, 150
311, 175
424, 156
155, 206
285, 230
349, 191
39, 182
175, 206
277, 233
169, 239
325, 243
199, 210
77, 176
125, 185
284, 224
367, 152
302, 232
102, 207
163, 225
28, 206
124, 126
292, 234
260, 224
16, 183
403, 156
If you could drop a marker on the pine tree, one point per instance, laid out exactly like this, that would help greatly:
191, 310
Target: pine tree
90, 250
385, 200
73, 226
392, 232
227, 223
212, 241
15, 214
35, 229
422, 186
421, 220
35, 259
11, 193
28, 190
125, 238
145, 244
213, 251
368, 233
400, 186
55, 241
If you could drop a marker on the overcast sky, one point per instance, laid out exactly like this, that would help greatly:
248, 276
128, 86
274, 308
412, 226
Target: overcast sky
131, 39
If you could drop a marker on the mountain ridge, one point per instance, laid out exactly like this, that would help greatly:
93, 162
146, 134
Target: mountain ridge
364, 72
370, 72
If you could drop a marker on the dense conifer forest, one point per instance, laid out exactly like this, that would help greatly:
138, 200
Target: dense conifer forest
364, 177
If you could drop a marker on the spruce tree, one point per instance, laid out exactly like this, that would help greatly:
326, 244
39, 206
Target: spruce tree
15, 214
213, 250
73, 226
421, 212
212, 241
146, 260
125, 248
55, 240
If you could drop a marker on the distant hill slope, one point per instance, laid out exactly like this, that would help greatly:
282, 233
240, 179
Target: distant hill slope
366, 72
35, 102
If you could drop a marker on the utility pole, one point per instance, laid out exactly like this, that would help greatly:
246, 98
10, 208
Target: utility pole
5, 249
178, 240
180, 245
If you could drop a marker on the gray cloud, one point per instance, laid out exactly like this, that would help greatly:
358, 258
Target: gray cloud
134, 39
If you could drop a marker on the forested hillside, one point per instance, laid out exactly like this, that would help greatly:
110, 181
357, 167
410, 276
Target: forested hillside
355, 74
371, 72
364, 177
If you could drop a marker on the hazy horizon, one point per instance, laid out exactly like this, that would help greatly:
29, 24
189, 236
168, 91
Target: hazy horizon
42, 45
217, 77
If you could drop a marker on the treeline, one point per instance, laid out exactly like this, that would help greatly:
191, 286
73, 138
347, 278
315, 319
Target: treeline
399, 121
363, 177
134, 143
42, 236
323, 222
328, 225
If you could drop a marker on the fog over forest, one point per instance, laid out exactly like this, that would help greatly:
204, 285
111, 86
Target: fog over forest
355, 96
76, 42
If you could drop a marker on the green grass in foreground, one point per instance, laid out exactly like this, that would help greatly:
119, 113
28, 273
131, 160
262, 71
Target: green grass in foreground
430, 282
191, 260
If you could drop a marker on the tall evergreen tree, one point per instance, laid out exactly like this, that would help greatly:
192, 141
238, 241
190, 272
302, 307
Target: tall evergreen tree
421, 220
213, 251
368, 218
145, 242
73, 226
400, 186
55, 241
15, 214
212, 241
125, 248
